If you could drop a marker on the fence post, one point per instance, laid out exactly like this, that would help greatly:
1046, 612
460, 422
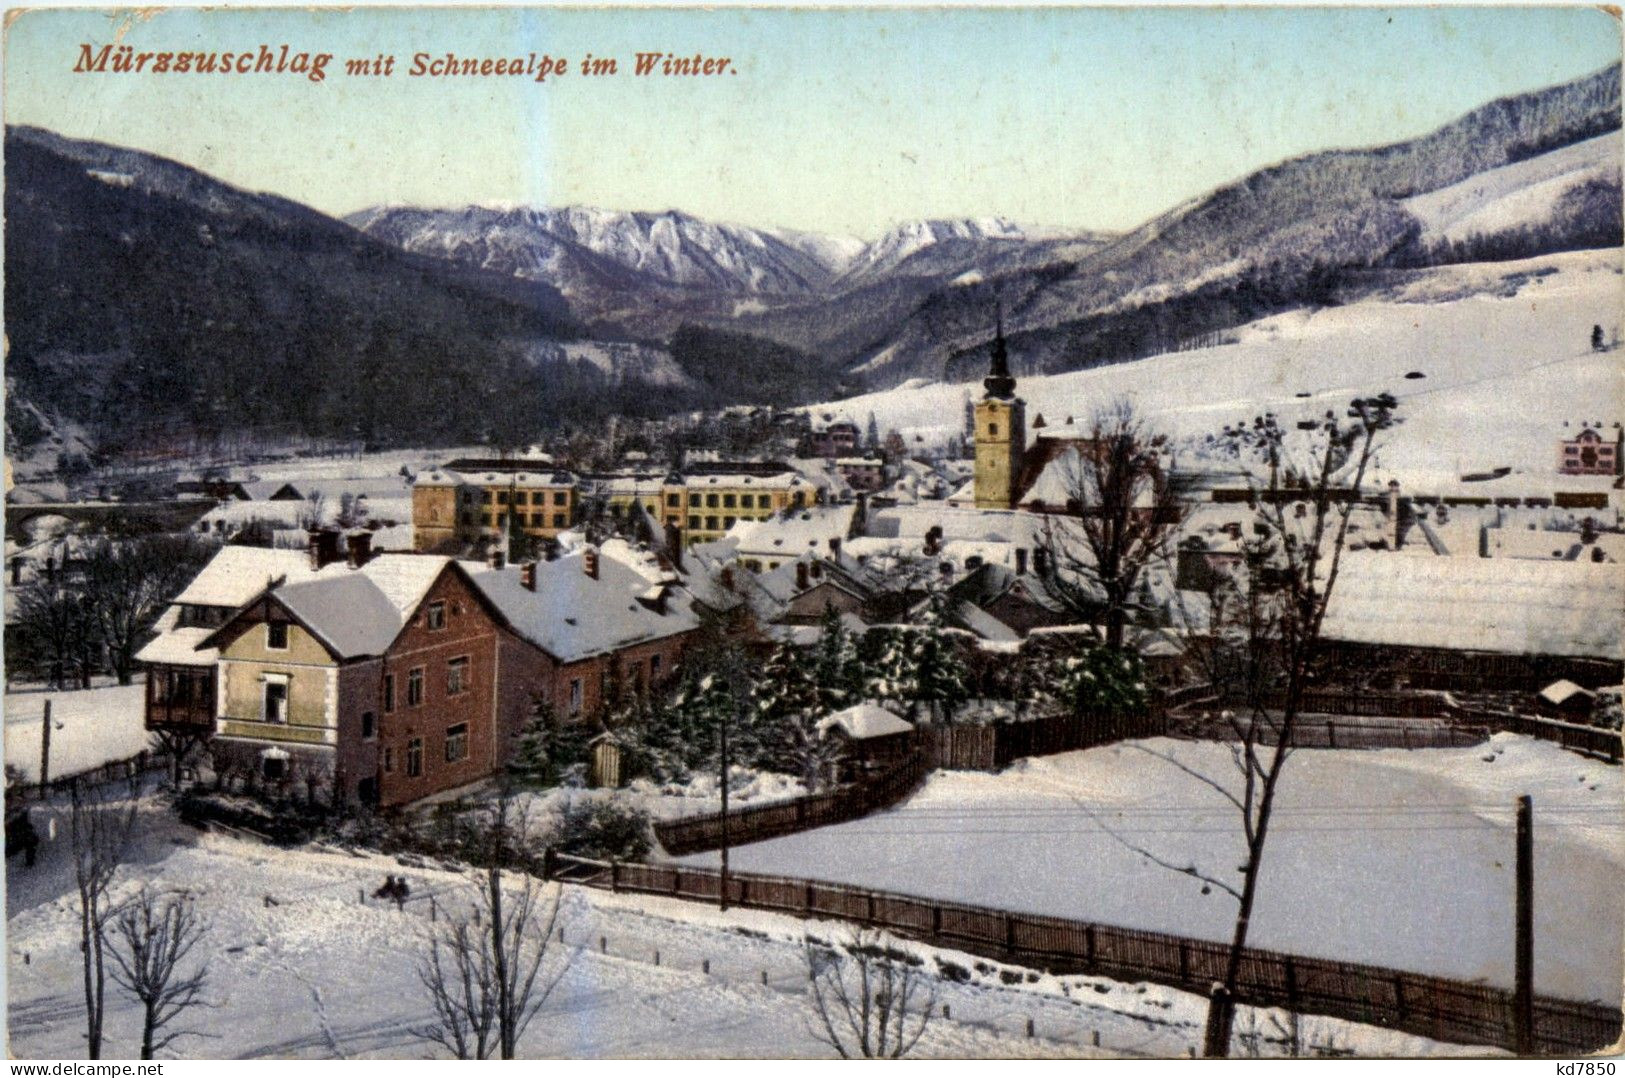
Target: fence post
1009, 934
807, 898
1331, 734
1089, 944
614, 875
1216, 1041
1291, 972
936, 922
1184, 961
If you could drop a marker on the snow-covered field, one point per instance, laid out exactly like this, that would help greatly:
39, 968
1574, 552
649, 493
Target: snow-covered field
1402, 859
1505, 350
88, 728
300, 967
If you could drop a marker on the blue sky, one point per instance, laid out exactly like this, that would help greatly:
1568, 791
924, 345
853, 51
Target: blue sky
835, 120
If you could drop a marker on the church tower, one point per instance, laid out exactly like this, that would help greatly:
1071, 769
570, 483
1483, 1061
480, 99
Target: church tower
1001, 432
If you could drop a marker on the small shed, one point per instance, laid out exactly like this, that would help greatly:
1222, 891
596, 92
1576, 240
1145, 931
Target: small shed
606, 760
868, 734
1565, 699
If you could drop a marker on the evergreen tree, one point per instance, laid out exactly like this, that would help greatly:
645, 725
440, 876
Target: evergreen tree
1096, 677
871, 439
837, 675
548, 750
941, 680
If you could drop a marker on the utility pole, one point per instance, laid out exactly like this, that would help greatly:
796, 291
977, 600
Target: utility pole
45, 749
722, 883
1523, 1000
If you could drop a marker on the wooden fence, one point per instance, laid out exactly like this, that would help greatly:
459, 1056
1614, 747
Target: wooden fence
1593, 740
989, 748
102, 774
1316, 733
887, 786
1396, 705
1434, 1007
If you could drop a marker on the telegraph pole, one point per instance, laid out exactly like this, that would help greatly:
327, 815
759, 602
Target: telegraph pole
45, 749
722, 883
1523, 1000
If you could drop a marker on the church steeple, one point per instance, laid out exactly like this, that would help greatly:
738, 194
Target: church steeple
998, 383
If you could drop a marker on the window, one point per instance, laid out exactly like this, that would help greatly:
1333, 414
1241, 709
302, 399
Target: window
674, 501
559, 520
276, 699
694, 500
575, 696
561, 497
992, 430
485, 497
728, 522
414, 758
389, 693
711, 523
273, 768
502, 497
694, 522
369, 726
457, 743
276, 635
710, 501
389, 761
457, 676
436, 618
727, 501
414, 686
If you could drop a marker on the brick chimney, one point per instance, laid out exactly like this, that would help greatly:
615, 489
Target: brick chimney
1021, 561
933, 540
323, 547
727, 577
360, 548
527, 576
497, 558
589, 562
801, 576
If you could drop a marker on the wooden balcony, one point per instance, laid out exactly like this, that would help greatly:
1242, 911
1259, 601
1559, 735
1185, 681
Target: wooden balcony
181, 698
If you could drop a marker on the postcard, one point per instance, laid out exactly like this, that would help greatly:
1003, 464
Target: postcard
962, 533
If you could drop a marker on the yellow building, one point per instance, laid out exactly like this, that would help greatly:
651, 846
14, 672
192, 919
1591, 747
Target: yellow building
704, 507
1001, 434
455, 507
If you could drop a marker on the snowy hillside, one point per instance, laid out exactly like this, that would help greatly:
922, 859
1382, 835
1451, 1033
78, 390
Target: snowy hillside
1504, 349
904, 240
1526, 193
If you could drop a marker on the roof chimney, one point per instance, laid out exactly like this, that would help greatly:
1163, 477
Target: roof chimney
360, 548
1021, 561
835, 546
497, 558
801, 576
589, 562
527, 576
727, 577
324, 547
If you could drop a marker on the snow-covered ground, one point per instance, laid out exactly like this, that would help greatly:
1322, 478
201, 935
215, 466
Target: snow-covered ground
1512, 196
1396, 858
1505, 349
301, 967
89, 727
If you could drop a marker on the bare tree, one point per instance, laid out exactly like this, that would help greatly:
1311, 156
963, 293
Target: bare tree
128, 582
100, 830
1122, 511
154, 934
56, 616
870, 999
486, 972
1263, 632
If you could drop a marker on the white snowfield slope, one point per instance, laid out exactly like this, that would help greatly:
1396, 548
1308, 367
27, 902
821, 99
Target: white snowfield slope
1395, 858
1524, 193
89, 728
299, 967
1505, 350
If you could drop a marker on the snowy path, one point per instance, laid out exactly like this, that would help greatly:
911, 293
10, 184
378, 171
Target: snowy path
319, 974
1395, 858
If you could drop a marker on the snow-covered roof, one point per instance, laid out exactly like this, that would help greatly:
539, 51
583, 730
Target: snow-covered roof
795, 533
783, 481
573, 616
238, 573
177, 646
1559, 691
350, 614
864, 721
1505, 605
859, 462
